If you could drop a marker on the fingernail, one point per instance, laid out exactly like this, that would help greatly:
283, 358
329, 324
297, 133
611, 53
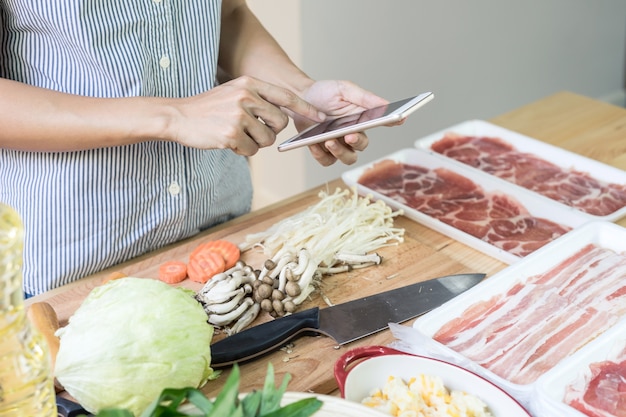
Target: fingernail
321, 116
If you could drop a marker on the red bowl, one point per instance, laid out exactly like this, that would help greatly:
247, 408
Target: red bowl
362, 370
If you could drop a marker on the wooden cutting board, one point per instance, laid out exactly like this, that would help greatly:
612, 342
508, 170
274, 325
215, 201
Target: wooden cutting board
424, 254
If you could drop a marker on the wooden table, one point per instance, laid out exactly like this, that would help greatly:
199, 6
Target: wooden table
576, 123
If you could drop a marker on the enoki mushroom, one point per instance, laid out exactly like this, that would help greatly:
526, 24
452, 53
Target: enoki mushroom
339, 233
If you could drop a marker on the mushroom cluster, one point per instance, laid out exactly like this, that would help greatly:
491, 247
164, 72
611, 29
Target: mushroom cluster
234, 298
338, 234
285, 283
227, 298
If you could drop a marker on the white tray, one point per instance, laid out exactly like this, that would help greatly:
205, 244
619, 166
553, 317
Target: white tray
551, 386
554, 154
604, 234
536, 205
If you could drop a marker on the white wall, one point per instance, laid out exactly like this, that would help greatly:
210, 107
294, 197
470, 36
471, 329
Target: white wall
481, 58
276, 176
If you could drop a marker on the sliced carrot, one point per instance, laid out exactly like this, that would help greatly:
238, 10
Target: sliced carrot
203, 265
113, 276
229, 251
173, 272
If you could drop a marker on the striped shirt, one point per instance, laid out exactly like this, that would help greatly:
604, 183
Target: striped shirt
89, 210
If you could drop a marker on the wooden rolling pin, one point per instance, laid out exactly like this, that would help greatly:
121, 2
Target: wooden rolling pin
45, 320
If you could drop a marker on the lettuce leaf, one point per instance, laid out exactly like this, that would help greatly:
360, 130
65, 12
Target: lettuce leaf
129, 340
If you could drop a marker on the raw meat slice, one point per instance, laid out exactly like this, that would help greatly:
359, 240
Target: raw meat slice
526, 330
568, 186
601, 391
496, 218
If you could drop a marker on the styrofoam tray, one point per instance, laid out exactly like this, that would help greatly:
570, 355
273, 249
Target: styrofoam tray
551, 386
536, 206
554, 154
604, 234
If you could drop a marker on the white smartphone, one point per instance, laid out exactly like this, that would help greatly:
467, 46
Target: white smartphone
357, 122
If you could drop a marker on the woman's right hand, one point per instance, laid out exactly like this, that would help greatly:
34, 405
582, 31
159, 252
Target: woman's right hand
243, 115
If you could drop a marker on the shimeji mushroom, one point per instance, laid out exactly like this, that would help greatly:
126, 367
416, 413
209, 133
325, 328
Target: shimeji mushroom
336, 235
227, 297
339, 233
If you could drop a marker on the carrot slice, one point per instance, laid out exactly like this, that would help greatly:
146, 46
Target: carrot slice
203, 265
113, 276
173, 272
229, 251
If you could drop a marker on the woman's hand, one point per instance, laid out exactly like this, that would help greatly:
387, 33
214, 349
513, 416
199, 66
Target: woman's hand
243, 115
338, 98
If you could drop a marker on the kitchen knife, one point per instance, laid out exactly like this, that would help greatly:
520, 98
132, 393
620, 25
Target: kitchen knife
344, 322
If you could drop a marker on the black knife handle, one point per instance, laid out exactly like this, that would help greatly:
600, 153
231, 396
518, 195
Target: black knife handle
263, 338
69, 408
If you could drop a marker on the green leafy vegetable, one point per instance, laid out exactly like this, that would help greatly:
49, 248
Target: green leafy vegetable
131, 339
227, 402
271, 395
251, 403
302, 408
264, 403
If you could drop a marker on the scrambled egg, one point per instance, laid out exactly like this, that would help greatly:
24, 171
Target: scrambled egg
424, 396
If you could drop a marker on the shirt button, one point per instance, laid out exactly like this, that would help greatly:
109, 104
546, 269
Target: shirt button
164, 62
174, 188
157, 1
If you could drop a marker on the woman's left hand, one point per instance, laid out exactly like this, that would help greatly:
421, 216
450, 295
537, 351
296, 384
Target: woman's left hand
338, 98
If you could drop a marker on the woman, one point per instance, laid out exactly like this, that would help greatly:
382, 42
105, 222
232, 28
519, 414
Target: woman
116, 136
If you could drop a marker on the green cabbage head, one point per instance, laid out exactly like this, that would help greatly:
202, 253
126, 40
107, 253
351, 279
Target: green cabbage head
130, 339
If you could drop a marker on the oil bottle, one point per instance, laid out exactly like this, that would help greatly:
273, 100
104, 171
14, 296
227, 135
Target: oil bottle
26, 381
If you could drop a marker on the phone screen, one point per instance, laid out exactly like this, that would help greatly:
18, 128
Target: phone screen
353, 119
340, 126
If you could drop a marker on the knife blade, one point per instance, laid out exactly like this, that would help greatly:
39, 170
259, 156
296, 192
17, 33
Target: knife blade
344, 322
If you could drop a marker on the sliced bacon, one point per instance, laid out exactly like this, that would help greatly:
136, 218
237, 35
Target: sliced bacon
528, 329
499, 323
515, 333
468, 320
563, 343
561, 273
